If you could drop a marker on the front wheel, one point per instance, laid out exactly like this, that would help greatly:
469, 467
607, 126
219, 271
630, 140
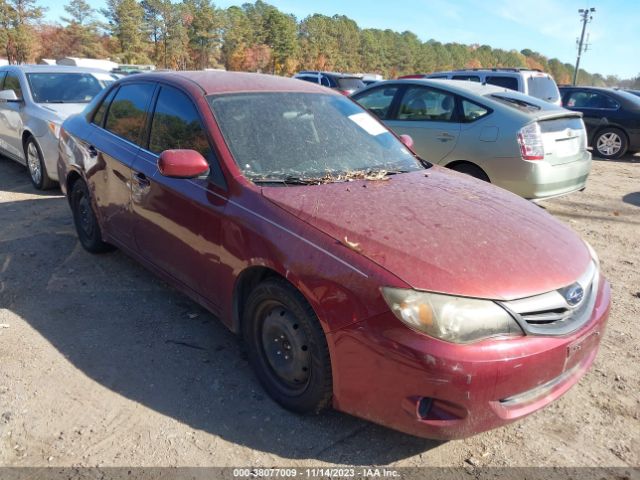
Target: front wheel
36, 167
85, 219
287, 347
610, 143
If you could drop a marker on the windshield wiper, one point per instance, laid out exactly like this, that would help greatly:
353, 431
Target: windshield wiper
287, 180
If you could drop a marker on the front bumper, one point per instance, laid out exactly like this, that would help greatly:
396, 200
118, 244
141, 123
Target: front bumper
388, 374
541, 179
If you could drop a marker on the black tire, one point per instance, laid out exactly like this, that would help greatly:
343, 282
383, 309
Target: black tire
610, 143
35, 166
277, 316
85, 220
471, 169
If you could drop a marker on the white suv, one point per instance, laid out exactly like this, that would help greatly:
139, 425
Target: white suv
530, 82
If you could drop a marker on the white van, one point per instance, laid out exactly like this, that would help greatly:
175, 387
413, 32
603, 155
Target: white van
530, 82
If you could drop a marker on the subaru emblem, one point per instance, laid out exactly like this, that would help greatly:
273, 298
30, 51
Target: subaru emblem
574, 294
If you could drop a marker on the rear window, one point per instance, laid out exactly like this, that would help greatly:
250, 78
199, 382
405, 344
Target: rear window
506, 82
350, 83
543, 87
516, 103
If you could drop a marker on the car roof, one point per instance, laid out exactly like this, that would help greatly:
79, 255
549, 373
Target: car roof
456, 86
217, 82
52, 69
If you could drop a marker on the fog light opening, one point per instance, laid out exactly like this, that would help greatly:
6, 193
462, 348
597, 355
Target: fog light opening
424, 407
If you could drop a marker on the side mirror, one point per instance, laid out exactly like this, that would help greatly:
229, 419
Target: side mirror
8, 96
182, 164
408, 141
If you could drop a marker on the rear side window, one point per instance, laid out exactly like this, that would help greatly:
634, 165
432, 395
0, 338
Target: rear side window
470, 78
426, 104
176, 124
308, 79
378, 101
98, 118
128, 110
472, 111
506, 82
12, 82
582, 99
350, 83
543, 87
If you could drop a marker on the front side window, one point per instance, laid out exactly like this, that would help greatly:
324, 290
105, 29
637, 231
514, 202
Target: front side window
274, 136
378, 101
176, 124
64, 87
506, 82
127, 112
425, 104
12, 82
472, 111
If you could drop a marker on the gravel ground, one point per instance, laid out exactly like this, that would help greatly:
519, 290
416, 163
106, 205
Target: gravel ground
102, 364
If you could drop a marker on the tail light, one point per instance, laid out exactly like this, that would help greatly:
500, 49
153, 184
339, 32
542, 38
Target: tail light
530, 141
345, 92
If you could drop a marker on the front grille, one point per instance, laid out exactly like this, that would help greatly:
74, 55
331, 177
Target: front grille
552, 313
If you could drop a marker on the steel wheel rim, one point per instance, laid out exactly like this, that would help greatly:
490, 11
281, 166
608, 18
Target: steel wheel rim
286, 347
609, 143
33, 162
85, 216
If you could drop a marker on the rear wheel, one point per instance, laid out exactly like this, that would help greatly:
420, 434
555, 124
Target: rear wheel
36, 167
471, 169
85, 220
287, 347
610, 143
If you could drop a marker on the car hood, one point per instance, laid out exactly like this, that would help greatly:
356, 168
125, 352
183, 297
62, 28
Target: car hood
64, 110
445, 232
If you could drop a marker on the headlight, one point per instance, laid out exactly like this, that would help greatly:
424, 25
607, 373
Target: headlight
54, 128
449, 318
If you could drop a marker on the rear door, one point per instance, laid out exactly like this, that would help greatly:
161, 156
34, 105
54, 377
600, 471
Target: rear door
597, 108
114, 142
429, 116
178, 222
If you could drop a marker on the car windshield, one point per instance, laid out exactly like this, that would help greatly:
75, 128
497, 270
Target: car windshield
630, 97
307, 138
66, 87
543, 87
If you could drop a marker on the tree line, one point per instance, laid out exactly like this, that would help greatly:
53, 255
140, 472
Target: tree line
257, 37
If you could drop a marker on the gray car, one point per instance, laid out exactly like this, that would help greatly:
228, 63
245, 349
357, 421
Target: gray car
34, 101
523, 144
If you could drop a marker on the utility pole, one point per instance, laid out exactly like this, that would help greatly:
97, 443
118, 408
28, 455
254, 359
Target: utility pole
587, 16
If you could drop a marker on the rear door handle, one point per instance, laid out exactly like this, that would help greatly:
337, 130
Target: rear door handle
93, 151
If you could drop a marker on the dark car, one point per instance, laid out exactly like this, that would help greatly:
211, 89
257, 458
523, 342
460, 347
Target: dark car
359, 275
612, 118
635, 92
342, 82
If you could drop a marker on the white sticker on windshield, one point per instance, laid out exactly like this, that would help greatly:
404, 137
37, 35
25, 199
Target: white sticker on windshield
368, 124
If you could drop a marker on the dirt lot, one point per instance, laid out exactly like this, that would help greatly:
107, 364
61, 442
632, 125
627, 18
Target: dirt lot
103, 364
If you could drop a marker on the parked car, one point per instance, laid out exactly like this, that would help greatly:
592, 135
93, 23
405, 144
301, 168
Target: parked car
634, 92
612, 118
530, 82
359, 275
517, 142
342, 82
34, 100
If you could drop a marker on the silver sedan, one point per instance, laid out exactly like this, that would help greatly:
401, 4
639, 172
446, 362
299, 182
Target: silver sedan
34, 101
523, 144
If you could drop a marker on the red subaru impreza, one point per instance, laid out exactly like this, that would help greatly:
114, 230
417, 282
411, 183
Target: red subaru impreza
360, 276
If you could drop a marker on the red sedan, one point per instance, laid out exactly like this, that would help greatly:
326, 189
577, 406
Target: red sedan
360, 276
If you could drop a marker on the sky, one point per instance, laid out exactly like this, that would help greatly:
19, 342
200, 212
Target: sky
546, 26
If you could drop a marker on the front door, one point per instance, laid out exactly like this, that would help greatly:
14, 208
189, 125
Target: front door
11, 122
178, 222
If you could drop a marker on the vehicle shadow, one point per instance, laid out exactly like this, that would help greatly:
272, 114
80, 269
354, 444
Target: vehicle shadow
627, 158
632, 199
15, 178
127, 330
